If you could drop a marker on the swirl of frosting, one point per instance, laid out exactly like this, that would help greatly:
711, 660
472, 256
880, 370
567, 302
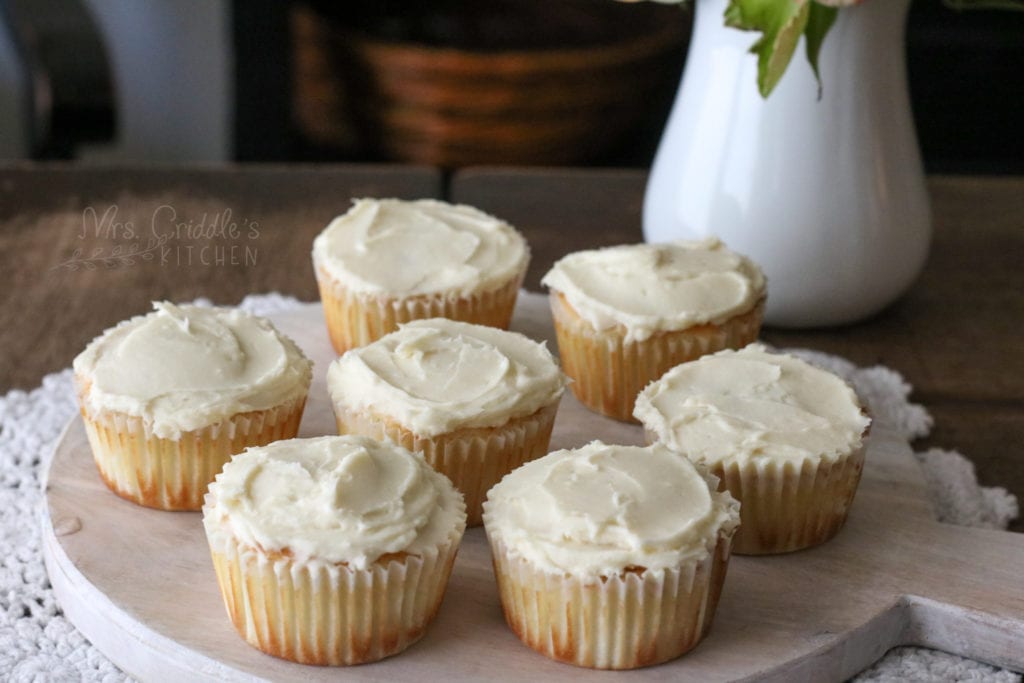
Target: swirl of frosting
182, 368
601, 509
647, 288
750, 404
336, 499
436, 375
426, 246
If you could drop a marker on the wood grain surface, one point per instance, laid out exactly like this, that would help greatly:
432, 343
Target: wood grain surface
891, 576
954, 336
49, 312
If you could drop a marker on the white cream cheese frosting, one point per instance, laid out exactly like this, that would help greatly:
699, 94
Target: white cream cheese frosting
182, 368
649, 288
392, 246
749, 405
437, 375
334, 499
602, 509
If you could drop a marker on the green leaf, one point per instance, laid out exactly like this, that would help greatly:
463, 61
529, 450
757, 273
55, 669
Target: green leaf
781, 23
819, 21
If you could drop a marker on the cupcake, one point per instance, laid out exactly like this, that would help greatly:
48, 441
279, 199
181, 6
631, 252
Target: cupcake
610, 557
476, 401
167, 398
389, 261
624, 315
784, 437
333, 550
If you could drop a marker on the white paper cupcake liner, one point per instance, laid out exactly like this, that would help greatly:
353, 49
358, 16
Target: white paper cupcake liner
608, 372
330, 614
629, 620
356, 319
789, 506
173, 474
475, 459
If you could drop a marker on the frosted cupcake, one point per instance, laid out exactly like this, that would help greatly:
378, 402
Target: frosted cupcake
167, 398
475, 400
785, 438
389, 261
610, 557
334, 550
624, 315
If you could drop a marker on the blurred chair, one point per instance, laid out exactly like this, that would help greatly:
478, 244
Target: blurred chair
116, 80
56, 91
173, 74
15, 102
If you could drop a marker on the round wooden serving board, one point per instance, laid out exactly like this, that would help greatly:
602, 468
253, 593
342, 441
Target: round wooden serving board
140, 585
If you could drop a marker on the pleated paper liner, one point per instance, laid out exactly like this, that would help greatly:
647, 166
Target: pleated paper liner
356, 319
633, 619
331, 614
608, 372
790, 506
475, 459
173, 474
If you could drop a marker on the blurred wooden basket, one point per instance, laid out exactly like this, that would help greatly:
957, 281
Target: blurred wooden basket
455, 106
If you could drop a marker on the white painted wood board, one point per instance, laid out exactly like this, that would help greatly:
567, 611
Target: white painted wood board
139, 583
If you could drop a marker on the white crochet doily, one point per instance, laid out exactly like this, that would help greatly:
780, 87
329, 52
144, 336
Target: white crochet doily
37, 643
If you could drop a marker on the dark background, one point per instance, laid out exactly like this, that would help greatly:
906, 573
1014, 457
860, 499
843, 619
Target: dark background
965, 69
966, 74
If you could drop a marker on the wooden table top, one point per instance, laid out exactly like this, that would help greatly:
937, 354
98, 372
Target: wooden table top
224, 232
